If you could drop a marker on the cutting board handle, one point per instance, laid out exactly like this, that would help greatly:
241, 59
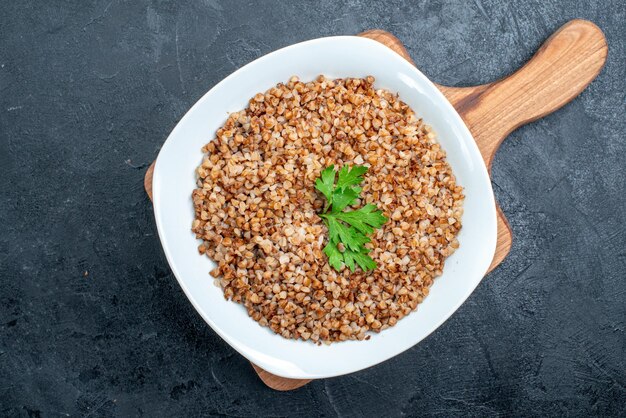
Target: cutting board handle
560, 70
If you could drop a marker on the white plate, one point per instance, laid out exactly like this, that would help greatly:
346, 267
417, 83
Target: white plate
174, 180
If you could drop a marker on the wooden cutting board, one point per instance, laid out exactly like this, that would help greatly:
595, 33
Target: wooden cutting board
564, 65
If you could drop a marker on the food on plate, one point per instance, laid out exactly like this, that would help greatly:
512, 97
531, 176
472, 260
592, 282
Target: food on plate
265, 199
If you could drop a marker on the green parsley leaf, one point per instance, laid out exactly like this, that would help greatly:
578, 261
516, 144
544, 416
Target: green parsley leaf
348, 259
335, 258
364, 261
365, 219
350, 177
333, 227
350, 237
347, 228
325, 184
344, 198
361, 258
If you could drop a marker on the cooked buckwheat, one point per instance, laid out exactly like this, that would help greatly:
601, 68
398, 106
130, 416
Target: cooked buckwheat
256, 207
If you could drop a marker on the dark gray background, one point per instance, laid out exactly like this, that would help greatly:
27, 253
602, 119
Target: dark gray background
90, 90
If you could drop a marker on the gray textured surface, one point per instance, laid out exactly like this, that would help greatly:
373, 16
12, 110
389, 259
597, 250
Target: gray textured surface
90, 90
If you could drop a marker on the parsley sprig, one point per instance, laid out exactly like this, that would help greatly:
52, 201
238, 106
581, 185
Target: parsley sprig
348, 228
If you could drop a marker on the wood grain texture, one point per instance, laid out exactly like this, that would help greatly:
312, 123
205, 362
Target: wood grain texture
277, 382
565, 64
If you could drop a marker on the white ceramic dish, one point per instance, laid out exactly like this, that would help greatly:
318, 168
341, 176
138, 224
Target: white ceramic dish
174, 181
